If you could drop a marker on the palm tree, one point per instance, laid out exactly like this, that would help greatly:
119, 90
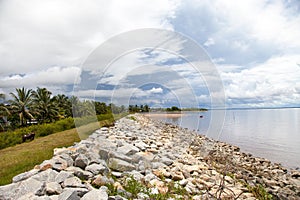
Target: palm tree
21, 103
64, 105
4, 112
44, 106
80, 109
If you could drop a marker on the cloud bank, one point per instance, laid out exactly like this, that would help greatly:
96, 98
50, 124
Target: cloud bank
254, 44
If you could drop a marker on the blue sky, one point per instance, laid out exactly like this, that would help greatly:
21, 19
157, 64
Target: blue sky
254, 45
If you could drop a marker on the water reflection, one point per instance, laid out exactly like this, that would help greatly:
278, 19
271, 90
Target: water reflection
272, 134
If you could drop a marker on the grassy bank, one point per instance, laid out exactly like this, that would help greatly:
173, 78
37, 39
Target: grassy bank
23, 157
11, 138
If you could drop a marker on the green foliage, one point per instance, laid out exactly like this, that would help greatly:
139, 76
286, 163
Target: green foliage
11, 138
173, 108
259, 192
132, 118
21, 103
134, 187
44, 106
136, 108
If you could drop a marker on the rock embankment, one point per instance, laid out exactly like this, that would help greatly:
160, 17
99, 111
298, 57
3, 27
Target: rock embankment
140, 158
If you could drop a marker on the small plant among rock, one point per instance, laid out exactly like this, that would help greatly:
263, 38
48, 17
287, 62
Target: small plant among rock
259, 192
132, 118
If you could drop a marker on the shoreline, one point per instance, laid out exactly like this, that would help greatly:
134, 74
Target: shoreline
165, 114
162, 160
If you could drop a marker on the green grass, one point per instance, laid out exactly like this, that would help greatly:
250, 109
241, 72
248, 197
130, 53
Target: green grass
23, 157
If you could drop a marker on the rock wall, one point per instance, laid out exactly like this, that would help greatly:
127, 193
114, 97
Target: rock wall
140, 158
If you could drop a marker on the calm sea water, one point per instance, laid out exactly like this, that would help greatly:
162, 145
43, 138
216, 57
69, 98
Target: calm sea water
270, 133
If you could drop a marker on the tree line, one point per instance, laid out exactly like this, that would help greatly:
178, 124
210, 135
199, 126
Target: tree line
39, 106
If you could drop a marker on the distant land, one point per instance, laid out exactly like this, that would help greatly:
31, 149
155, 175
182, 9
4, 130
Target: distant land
257, 108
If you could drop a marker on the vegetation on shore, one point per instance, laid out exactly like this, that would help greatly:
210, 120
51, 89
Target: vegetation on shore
176, 109
40, 112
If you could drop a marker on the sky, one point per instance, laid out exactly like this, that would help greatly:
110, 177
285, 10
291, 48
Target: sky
190, 53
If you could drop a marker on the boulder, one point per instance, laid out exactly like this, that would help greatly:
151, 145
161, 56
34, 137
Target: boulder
166, 161
120, 165
101, 181
81, 161
69, 195
19, 189
97, 168
24, 175
128, 149
82, 174
63, 175
95, 194
46, 176
53, 188
73, 182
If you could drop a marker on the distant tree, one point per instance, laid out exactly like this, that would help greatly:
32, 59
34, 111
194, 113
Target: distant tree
146, 108
21, 103
101, 108
81, 109
4, 110
136, 108
44, 105
64, 105
173, 108
4, 113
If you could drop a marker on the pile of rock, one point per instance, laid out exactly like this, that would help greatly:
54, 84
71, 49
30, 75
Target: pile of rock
160, 160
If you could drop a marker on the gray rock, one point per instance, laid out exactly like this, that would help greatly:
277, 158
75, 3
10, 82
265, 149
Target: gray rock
46, 176
101, 180
120, 165
22, 188
103, 153
156, 165
63, 175
24, 175
81, 161
67, 158
128, 149
53, 188
93, 157
141, 145
85, 175
73, 182
149, 177
166, 161
119, 156
80, 191
59, 163
117, 174
136, 175
53, 197
144, 156
95, 195
97, 168
69, 195
31, 196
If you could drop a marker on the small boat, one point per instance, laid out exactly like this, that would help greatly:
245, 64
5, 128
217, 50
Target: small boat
201, 116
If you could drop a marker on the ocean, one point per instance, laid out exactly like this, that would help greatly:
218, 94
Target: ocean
273, 134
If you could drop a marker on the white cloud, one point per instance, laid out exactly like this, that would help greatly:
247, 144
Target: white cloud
37, 34
273, 83
209, 42
156, 90
51, 76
